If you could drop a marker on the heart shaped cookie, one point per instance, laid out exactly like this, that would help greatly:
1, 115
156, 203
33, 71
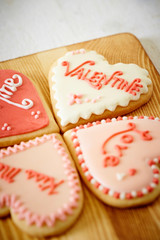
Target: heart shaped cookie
85, 87
22, 112
39, 186
119, 158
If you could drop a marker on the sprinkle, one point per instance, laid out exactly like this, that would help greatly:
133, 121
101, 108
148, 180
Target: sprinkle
124, 118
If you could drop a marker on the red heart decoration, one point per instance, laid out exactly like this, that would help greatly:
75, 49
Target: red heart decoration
21, 109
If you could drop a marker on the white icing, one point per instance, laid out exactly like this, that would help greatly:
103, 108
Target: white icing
110, 97
6, 127
5, 94
120, 176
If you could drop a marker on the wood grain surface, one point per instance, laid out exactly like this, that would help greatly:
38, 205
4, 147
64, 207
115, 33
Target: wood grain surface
97, 221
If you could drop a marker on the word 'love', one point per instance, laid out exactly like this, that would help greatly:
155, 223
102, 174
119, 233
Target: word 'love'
112, 160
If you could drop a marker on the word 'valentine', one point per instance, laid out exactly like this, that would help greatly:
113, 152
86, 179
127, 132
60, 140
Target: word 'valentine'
98, 79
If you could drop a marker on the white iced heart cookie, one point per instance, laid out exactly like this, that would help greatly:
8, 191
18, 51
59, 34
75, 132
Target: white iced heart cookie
119, 159
85, 87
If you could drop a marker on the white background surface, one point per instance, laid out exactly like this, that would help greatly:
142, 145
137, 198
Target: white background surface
30, 26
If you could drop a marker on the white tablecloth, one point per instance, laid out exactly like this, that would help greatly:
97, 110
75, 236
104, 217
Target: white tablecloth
30, 26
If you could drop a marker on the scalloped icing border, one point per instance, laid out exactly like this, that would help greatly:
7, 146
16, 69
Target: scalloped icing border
104, 107
129, 195
11, 201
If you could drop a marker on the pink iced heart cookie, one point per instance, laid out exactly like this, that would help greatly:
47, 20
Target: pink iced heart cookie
39, 186
21, 109
84, 87
119, 159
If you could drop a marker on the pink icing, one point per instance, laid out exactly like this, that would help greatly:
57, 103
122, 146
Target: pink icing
51, 179
18, 99
125, 170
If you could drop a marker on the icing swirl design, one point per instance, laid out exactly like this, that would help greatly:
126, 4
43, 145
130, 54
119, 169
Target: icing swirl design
5, 94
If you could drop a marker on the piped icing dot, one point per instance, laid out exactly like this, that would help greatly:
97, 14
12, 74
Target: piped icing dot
36, 116
6, 127
120, 176
32, 113
132, 171
134, 193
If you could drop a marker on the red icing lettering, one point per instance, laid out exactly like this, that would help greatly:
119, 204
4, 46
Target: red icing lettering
131, 125
65, 63
126, 138
46, 181
79, 73
120, 148
86, 74
134, 86
121, 80
98, 79
95, 80
112, 77
111, 161
8, 173
144, 135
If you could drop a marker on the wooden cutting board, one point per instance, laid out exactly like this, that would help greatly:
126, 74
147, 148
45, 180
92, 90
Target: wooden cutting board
97, 221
